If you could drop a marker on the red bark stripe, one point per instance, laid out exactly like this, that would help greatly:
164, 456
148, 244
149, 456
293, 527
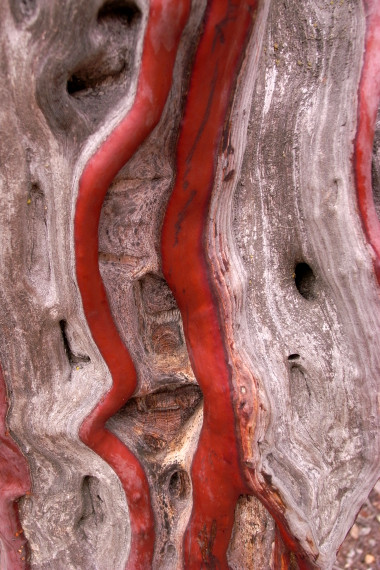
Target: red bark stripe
165, 24
14, 483
369, 99
216, 470
281, 554
287, 554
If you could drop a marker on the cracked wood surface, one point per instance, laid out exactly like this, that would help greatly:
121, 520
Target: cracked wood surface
290, 262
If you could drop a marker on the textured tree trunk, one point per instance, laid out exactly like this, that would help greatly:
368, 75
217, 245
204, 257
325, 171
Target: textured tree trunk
190, 269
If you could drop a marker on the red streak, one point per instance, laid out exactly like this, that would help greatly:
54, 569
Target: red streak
281, 554
369, 99
216, 471
286, 554
14, 483
166, 21
285, 542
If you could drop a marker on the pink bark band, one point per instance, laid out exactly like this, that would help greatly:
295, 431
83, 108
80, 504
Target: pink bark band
165, 24
369, 99
217, 475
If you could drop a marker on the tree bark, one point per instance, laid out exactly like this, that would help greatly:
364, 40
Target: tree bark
189, 270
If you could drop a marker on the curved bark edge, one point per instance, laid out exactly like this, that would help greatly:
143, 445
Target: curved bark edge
217, 474
14, 483
369, 99
165, 24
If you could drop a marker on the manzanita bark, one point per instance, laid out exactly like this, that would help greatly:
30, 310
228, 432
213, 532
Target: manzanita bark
190, 311
15, 482
165, 24
217, 474
369, 100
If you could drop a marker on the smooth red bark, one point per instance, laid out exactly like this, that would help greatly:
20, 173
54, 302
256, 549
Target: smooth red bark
165, 24
217, 475
369, 99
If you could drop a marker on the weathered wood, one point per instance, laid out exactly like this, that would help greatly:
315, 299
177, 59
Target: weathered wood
296, 274
287, 258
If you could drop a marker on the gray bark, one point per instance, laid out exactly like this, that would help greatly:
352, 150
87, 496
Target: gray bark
295, 275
